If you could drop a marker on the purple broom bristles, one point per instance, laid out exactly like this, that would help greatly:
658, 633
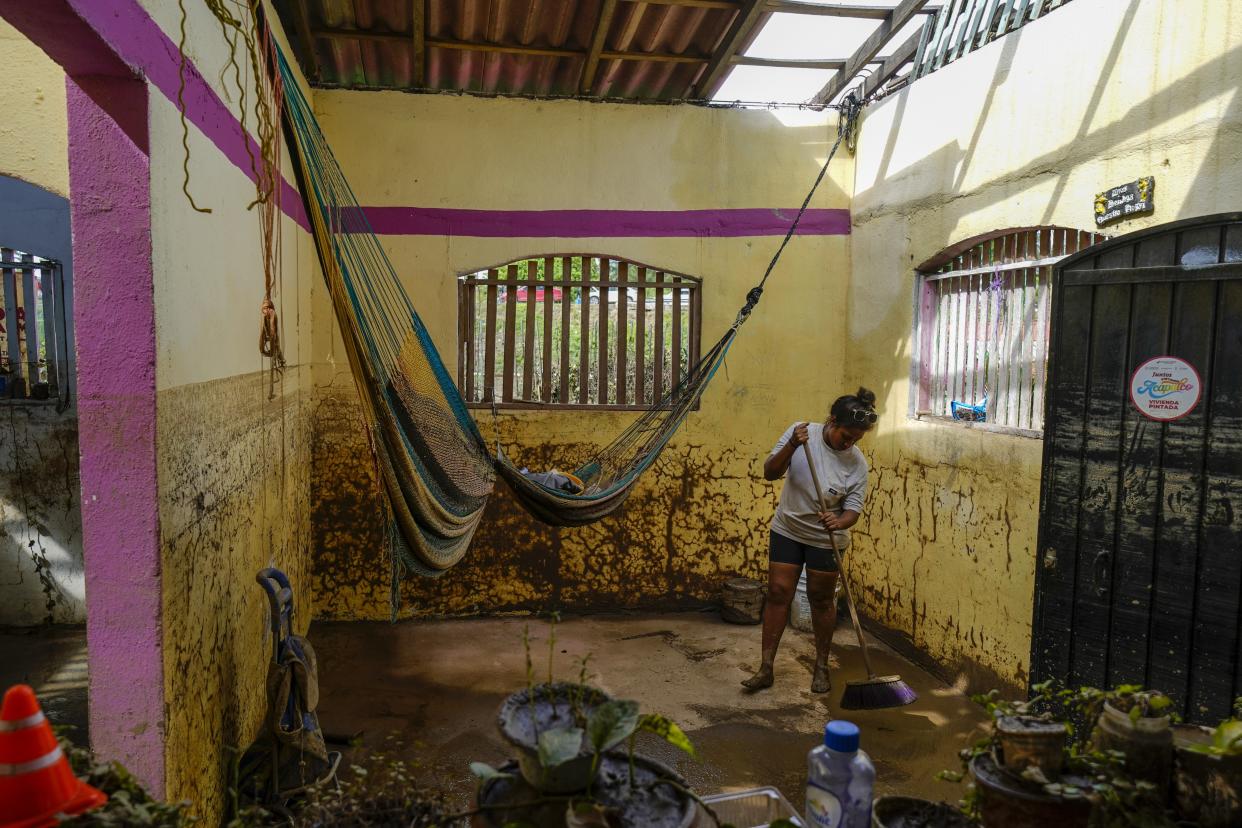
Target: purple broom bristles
877, 694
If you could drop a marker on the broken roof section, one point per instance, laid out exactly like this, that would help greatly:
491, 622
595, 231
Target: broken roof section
784, 51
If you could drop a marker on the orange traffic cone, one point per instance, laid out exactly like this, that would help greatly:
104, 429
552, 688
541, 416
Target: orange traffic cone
36, 783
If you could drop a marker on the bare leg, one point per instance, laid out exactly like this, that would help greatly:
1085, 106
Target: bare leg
782, 581
821, 590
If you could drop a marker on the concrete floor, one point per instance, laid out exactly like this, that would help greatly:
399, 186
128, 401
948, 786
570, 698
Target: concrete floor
435, 688
52, 660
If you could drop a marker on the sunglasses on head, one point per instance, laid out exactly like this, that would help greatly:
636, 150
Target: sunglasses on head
864, 415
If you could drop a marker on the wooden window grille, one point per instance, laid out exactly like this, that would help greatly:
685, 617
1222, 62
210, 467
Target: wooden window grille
575, 331
33, 328
982, 328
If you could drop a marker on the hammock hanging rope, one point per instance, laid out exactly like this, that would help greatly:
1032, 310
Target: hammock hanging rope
433, 461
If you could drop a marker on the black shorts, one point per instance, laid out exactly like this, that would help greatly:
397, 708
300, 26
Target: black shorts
789, 551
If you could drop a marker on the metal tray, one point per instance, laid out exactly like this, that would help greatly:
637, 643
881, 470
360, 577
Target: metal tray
754, 808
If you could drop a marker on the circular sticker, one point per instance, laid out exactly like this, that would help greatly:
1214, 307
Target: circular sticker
1165, 388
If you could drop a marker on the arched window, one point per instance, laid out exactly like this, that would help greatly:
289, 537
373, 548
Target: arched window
575, 331
982, 326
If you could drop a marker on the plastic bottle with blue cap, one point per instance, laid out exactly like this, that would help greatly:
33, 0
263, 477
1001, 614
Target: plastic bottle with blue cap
839, 780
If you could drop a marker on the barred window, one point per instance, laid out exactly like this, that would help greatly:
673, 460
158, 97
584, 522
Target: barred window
33, 328
982, 327
575, 331
958, 27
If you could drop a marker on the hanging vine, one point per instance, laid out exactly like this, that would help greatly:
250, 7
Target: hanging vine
242, 26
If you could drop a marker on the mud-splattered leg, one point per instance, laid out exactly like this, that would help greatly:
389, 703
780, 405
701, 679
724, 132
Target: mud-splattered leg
821, 588
782, 581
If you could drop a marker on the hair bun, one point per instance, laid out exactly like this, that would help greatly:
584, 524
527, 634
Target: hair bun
866, 396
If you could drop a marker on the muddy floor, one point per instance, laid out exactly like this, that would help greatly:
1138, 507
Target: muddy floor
434, 688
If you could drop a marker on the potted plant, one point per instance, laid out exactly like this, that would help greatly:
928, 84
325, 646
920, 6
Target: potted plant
656, 800
570, 769
1031, 742
623, 789
1028, 800
1207, 776
909, 812
1091, 782
620, 786
546, 724
1026, 733
1137, 724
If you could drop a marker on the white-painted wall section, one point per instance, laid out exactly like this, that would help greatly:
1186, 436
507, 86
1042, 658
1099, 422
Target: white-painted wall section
1022, 132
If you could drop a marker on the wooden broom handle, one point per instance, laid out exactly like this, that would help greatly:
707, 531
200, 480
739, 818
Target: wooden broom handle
845, 582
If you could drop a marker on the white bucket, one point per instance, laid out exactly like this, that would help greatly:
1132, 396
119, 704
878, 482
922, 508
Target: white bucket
800, 608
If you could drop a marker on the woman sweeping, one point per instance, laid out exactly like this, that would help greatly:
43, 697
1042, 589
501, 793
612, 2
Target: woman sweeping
800, 529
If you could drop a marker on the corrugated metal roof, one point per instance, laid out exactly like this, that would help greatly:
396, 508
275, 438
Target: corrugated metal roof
371, 44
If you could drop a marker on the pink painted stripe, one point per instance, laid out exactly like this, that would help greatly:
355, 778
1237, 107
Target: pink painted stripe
615, 224
141, 43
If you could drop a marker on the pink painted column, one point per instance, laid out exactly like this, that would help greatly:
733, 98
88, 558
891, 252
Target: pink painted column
114, 318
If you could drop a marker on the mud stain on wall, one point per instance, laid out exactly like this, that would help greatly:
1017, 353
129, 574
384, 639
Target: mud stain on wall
41, 573
234, 480
698, 517
928, 529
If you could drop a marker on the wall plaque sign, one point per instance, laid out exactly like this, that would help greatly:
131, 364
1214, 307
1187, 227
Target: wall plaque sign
1165, 388
1126, 200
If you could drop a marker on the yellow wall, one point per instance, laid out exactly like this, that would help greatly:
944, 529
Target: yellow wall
33, 133
1023, 132
233, 451
233, 460
1002, 138
702, 513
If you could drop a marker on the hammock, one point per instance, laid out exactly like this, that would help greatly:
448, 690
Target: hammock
429, 454
609, 476
433, 461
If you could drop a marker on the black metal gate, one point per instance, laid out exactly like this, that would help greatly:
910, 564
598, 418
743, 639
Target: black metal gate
1139, 574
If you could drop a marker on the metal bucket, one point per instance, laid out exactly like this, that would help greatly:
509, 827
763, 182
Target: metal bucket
742, 601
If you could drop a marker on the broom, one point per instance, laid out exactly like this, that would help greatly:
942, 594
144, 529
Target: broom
874, 692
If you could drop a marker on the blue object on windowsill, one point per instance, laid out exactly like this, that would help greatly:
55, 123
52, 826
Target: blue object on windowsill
969, 413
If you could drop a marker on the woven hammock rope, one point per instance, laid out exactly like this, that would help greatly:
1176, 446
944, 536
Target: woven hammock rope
434, 463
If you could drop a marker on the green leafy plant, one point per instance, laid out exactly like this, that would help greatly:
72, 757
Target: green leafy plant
601, 729
969, 803
1120, 800
609, 725
1046, 700
379, 790
483, 772
578, 693
662, 727
1226, 737
530, 678
1134, 701
1226, 740
128, 803
559, 745
1078, 708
